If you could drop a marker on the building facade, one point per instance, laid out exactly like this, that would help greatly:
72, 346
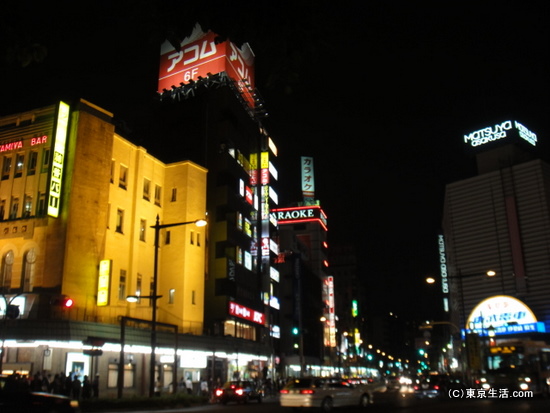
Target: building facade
79, 207
495, 237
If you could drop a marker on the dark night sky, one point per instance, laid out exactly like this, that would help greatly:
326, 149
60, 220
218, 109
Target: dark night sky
379, 92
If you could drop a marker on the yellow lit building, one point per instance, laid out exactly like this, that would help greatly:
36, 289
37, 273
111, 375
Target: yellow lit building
77, 202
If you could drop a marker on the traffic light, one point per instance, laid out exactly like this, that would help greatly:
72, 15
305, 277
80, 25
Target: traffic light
295, 331
62, 301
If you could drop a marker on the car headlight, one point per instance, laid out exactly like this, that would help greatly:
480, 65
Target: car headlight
74, 404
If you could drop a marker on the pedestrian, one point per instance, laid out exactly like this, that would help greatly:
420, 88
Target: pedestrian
204, 388
95, 386
189, 385
86, 388
158, 387
76, 387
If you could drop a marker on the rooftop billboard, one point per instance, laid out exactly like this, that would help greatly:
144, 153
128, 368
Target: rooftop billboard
203, 54
503, 132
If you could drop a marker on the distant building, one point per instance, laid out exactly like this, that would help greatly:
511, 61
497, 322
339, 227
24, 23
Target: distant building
499, 221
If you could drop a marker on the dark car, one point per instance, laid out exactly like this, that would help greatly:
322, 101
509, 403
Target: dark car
16, 397
240, 391
432, 386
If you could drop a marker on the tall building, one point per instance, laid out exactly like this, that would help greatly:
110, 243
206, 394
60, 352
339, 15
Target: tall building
241, 284
308, 319
499, 221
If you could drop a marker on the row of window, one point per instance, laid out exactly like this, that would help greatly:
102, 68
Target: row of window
27, 273
123, 183
13, 210
16, 163
123, 293
194, 238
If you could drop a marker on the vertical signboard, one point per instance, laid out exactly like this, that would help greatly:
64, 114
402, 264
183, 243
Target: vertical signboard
308, 181
58, 160
103, 283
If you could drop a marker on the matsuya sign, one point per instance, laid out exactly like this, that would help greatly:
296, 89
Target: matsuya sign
510, 129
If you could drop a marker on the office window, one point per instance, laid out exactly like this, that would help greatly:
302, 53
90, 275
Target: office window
27, 206
19, 165
14, 207
158, 191
142, 229
171, 296
33, 159
193, 296
123, 177
167, 238
198, 239
28, 270
146, 189
46, 159
6, 167
174, 195
122, 285
41, 207
119, 221
139, 279
192, 237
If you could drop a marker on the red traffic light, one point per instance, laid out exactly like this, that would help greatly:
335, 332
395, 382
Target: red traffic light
62, 301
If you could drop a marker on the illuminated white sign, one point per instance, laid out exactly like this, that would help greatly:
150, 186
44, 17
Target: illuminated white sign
18, 301
274, 274
103, 282
499, 131
308, 180
56, 174
443, 265
500, 311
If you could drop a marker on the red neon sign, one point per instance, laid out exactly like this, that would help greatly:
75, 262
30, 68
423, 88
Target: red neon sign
246, 313
202, 56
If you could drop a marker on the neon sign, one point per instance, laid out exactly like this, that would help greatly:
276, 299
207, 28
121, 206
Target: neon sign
504, 315
300, 214
246, 313
103, 283
506, 129
202, 54
56, 174
19, 144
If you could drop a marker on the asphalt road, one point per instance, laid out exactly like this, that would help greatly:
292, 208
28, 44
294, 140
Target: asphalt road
402, 401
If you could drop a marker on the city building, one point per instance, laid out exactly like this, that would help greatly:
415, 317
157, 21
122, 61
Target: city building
217, 85
81, 211
495, 241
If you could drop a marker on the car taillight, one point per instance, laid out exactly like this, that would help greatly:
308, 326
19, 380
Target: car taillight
307, 391
416, 387
284, 391
436, 387
219, 392
240, 392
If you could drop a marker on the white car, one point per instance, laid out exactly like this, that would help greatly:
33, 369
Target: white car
325, 393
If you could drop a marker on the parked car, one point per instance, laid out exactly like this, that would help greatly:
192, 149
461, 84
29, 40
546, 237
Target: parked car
326, 393
240, 391
16, 397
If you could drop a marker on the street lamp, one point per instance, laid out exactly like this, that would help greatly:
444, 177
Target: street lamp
154, 297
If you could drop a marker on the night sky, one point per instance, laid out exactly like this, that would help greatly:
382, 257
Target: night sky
380, 93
